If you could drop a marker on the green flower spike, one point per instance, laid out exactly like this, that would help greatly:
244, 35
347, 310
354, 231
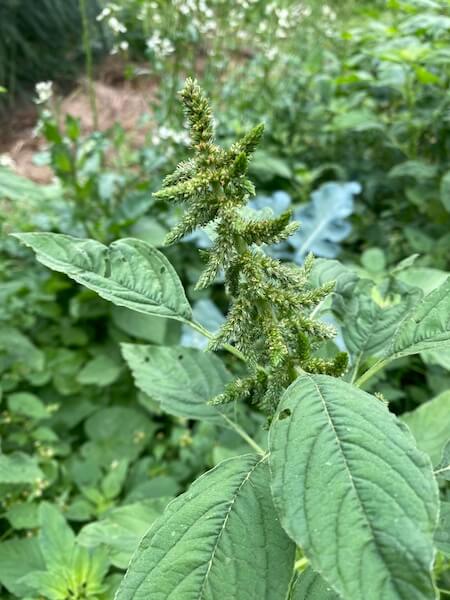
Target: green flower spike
269, 319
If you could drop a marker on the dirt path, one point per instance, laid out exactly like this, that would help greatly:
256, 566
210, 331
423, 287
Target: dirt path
118, 100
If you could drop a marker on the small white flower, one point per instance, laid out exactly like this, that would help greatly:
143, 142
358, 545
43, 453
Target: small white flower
184, 9
271, 53
153, 42
124, 45
327, 11
167, 47
44, 91
158, 45
105, 13
7, 161
116, 25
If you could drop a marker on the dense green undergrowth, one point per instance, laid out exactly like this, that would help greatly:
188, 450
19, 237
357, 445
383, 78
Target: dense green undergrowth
105, 412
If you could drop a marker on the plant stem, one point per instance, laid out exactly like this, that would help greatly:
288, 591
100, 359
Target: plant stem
301, 563
208, 334
440, 471
370, 372
89, 64
244, 435
198, 327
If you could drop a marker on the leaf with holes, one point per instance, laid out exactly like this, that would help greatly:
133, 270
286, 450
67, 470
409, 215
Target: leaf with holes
353, 491
218, 540
128, 273
181, 380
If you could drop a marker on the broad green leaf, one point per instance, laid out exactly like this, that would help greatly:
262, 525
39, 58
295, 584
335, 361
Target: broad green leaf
161, 486
20, 189
439, 357
56, 538
145, 327
218, 540
442, 537
423, 277
374, 260
427, 327
416, 169
309, 585
357, 120
20, 348
266, 166
122, 529
51, 585
181, 379
23, 515
445, 191
81, 576
353, 491
117, 433
430, 425
113, 482
128, 273
325, 270
369, 326
28, 405
101, 370
19, 469
18, 557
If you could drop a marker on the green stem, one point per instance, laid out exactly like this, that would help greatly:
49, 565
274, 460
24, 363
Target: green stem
301, 564
244, 435
371, 372
89, 63
198, 327
208, 334
355, 369
440, 471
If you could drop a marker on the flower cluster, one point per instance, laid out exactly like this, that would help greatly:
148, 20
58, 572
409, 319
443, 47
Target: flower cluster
109, 16
164, 133
44, 91
160, 46
269, 320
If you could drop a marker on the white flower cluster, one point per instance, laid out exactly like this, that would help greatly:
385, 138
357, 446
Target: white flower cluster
329, 13
164, 133
120, 46
109, 15
44, 91
286, 19
7, 161
160, 45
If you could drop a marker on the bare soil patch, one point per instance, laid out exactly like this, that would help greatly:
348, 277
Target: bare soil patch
118, 101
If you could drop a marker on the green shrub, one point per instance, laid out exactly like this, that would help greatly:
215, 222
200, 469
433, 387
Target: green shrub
339, 479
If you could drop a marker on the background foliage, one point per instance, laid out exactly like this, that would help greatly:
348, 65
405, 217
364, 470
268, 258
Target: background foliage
355, 102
